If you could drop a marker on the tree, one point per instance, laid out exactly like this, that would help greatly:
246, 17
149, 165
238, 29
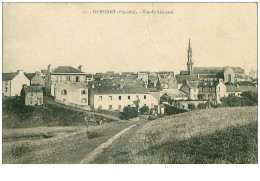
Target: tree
144, 110
191, 106
201, 106
165, 98
128, 113
250, 97
136, 103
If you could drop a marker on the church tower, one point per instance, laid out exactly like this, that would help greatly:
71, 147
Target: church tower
189, 63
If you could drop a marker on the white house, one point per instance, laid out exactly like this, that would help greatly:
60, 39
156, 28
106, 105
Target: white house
75, 95
63, 75
12, 83
116, 97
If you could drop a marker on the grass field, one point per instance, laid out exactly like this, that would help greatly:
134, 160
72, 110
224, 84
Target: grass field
67, 144
223, 135
17, 115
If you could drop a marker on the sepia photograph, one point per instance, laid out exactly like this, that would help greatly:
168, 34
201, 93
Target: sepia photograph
129, 83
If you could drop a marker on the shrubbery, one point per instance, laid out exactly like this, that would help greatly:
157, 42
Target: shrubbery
248, 98
191, 106
128, 113
144, 110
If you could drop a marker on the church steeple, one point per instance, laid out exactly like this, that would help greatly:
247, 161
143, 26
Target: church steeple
189, 56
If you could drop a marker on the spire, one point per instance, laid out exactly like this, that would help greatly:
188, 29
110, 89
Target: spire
189, 56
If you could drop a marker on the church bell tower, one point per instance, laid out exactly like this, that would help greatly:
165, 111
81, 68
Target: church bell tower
189, 63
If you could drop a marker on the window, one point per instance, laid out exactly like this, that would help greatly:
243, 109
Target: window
84, 100
229, 77
110, 98
144, 104
144, 96
100, 98
128, 97
68, 78
64, 92
60, 79
6, 82
77, 79
119, 97
110, 107
6, 89
119, 107
84, 92
99, 107
219, 89
151, 105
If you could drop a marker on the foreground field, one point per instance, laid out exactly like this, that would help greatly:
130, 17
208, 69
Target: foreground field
223, 135
67, 144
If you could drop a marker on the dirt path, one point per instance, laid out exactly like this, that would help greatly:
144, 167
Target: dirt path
117, 151
92, 156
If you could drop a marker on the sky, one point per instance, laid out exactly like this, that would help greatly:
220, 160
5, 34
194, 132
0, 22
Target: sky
71, 34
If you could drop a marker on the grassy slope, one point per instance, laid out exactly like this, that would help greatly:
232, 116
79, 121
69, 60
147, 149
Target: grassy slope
16, 115
224, 135
56, 144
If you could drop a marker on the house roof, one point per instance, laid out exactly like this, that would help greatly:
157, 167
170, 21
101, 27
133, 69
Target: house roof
135, 89
152, 89
232, 88
207, 70
30, 89
172, 92
181, 78
30, 75
192, 84
65, 69
9, 76
156, 95
108, 89
164, 80
248, 88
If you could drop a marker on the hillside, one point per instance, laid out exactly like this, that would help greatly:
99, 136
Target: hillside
223, 135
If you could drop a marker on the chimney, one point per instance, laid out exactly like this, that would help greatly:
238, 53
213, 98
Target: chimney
121, 86
92, 86
237, 85
80, 68
145, 85
49, 69
220, 80
19, 71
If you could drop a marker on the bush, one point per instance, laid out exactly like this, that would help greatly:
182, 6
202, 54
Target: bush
201, 106
248, 98
144, 110
128, 113
191, 106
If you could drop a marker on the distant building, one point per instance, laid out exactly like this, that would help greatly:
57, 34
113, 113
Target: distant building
236, 90
227, 74
63, 75
32, 95
35, 79
143, 76
190, 88
176, 94
12, 83
165, 74
73, 94
116, 97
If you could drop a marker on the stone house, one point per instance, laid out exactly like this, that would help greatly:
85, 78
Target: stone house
12, 83
190, 88
63, 75
35, 78
32, 95
116, 97
73, 94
